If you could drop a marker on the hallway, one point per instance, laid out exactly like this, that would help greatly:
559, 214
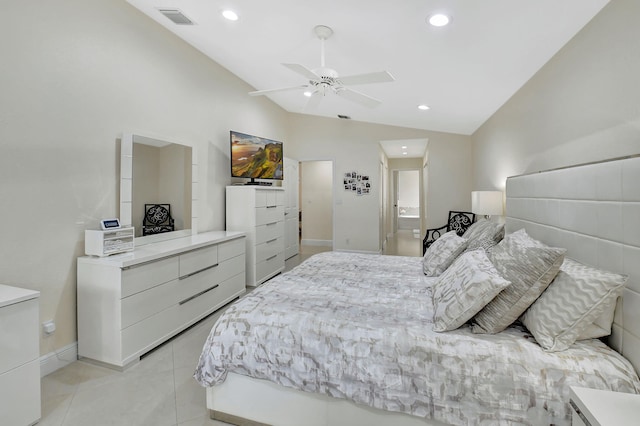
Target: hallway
404, 243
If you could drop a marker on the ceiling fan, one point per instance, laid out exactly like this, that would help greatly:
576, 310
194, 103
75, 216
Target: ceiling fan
325, 80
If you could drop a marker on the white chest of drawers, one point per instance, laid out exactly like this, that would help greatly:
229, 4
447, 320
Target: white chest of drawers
130, 303
19, 356
259, 212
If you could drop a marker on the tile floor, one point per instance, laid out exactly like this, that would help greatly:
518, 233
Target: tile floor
157, 391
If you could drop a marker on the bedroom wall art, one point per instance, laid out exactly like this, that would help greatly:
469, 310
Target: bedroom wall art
357, 183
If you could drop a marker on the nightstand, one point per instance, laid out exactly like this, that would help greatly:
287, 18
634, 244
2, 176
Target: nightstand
19, 356
593, 407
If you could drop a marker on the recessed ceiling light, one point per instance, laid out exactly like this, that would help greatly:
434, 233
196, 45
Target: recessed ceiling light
423, 107
438, 20
404, 153
308, 94
230, 15
404, 147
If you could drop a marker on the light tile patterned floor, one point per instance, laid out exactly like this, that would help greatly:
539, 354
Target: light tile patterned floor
157, 391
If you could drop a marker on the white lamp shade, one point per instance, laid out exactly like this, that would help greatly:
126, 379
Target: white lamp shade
486, 202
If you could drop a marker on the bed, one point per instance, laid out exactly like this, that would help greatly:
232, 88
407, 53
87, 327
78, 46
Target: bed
350, 338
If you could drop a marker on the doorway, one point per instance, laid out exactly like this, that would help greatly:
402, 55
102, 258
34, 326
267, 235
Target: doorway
316, 205
406, 213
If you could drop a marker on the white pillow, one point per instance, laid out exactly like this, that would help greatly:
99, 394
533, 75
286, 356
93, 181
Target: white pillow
442, 252
530, 267
577, 297
465, 288
483, 233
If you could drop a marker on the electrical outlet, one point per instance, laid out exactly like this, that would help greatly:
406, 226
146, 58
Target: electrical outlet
49, 327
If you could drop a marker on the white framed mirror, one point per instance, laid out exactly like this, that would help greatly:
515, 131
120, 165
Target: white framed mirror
157, 171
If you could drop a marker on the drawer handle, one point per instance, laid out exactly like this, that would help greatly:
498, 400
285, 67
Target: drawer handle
271, 207
272, 257
271, 241
197, 272
272, 223
199, 294
579, 413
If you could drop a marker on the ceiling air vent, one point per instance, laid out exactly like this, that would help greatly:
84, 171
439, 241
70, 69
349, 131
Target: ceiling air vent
344, 117
176, 16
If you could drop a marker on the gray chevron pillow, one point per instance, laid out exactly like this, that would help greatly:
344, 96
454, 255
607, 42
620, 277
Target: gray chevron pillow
573, 301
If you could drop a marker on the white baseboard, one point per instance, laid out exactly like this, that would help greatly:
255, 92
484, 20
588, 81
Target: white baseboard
322, 243
56, 360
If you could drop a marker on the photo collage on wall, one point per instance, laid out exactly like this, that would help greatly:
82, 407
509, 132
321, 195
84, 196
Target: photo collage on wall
357, 183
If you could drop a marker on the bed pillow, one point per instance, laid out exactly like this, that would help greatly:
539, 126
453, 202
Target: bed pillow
441, 253
483, 234
577, 297
530, 266
463, 289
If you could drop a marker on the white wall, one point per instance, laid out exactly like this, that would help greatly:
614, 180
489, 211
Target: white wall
75, 75
582, 106
354, 145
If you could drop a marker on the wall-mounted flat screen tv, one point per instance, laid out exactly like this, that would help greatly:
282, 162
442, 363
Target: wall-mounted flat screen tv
254, 157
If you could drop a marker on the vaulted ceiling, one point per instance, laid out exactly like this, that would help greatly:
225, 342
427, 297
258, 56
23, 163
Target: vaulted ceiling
463, 71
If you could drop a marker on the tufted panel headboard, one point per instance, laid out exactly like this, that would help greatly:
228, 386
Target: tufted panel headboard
593, 211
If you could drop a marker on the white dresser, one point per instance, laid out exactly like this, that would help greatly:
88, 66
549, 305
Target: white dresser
130, 303
259, 212
19, 356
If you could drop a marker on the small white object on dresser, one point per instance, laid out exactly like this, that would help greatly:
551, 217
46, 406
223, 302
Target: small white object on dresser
259, 212
594, 407
108, 241
19, 356
130, 303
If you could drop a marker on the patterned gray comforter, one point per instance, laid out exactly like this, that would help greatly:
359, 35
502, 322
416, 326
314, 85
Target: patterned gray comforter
359, 327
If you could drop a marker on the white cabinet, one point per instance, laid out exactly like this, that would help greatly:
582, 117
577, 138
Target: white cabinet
130, 303
594, 407
19, 356
259, 212
291, 186
107, 242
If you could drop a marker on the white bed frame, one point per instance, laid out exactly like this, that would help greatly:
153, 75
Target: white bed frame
592, 210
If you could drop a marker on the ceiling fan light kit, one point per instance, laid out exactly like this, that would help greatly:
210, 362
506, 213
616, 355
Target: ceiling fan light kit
325, 80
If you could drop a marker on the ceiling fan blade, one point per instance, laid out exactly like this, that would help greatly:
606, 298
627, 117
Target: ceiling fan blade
302, 70
313, 101
372, 77
358, 97
283, 89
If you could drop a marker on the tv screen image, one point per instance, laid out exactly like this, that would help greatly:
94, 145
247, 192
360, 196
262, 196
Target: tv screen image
255, 157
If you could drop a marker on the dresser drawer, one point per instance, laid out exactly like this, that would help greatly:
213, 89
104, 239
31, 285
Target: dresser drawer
142, 305
19, 334
269, 231
20, 394
139, 278
269, 266
269, 249
266, 215
230, 249
144, 335
197, 260
195, 285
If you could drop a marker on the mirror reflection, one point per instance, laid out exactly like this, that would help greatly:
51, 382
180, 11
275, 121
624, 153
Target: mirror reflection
158, 201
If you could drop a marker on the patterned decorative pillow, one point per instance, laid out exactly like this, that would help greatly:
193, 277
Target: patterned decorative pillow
465, 288
530, 266
441, 254
575, 299
481, 231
